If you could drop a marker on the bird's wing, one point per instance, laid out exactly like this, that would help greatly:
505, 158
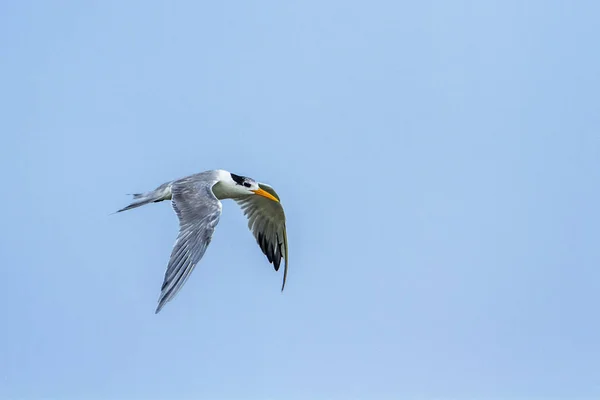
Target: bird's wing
198, 211
266, 221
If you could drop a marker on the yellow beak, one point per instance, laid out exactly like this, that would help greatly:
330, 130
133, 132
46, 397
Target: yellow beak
266, 194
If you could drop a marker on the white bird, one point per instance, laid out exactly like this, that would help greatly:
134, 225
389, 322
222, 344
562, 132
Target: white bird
196, 201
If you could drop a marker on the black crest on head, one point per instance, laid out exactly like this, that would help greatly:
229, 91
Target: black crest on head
238, 179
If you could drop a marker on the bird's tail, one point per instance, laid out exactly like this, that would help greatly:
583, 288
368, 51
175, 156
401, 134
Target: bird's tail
163, 192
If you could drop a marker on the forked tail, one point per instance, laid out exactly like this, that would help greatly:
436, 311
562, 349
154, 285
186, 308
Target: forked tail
163, 192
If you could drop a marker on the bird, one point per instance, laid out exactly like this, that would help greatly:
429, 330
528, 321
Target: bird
196, 200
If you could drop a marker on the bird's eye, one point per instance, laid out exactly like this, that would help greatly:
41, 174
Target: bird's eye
247, 184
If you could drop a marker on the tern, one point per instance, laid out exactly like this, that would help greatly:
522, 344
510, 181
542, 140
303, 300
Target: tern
196, 201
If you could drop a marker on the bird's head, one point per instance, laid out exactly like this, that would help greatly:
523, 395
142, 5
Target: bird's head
235, 186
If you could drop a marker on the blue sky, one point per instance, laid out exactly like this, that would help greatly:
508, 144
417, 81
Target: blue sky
438, 163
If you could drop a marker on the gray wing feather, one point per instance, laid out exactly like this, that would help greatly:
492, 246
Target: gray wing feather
198, 211
266, 221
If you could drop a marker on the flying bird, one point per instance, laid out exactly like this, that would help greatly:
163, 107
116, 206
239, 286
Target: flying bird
196, 201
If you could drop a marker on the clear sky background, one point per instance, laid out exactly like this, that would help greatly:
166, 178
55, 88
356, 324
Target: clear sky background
439, 163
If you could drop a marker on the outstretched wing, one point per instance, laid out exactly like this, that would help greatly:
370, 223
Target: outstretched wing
266, 221
198, 211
